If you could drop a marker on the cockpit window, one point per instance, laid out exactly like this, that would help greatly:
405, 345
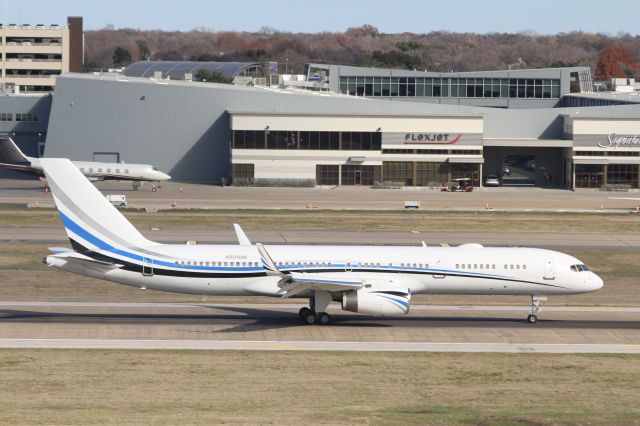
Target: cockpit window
579, 268
154, 169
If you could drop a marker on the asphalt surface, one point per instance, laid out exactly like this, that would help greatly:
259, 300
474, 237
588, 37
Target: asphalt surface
517, 198
277, 327
57, 235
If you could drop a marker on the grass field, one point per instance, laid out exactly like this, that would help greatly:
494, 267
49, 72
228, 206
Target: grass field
356, 220
23, 277
192, 387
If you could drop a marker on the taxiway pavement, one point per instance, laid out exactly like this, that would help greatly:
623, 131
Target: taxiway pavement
56, 234
276, 327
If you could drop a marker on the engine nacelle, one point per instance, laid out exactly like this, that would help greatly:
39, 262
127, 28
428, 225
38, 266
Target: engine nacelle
381, 301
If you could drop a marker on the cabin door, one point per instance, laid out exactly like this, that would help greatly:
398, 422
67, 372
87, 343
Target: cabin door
147, 266
548, 270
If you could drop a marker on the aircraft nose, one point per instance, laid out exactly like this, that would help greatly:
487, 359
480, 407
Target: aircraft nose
164, 176
594, 282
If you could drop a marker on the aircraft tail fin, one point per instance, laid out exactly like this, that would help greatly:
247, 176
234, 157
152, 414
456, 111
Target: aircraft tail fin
10, 153
90, 220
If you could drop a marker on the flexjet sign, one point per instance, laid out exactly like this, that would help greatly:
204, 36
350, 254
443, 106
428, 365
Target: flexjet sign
431, 138
616, 141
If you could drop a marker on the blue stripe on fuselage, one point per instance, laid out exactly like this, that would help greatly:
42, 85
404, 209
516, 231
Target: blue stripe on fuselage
79, 231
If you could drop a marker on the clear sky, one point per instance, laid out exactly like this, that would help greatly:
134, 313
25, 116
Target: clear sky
389, 16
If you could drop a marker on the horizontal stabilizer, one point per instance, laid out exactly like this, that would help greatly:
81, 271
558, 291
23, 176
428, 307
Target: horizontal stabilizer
73, 256
10, 153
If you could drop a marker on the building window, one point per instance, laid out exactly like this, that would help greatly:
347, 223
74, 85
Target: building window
466, 170
248, 139
243, 171
360, 175
622, 174
320, 140
398, 171
6, 116
327, 174
26, 117
282, 139
589, 175
431, 174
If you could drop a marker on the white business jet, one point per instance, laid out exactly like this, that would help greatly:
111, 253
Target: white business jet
12, 158
371, 280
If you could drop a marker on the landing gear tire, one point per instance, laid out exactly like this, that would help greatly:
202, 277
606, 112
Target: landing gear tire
324, 318
532, 319
303, 312
310, 317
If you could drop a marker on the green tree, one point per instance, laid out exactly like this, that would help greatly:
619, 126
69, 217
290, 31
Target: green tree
144, 50
121, 56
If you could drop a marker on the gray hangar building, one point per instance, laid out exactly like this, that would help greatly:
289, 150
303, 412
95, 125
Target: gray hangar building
344, 126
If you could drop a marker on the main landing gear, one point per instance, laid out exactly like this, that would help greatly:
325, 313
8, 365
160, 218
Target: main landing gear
315, 313
535, 308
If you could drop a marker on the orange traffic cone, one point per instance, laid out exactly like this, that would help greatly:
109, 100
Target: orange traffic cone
181, 189
174, 204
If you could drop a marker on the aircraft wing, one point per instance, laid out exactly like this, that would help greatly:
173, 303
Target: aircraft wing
297, 283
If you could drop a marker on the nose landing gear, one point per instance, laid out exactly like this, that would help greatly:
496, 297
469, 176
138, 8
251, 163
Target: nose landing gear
535, 308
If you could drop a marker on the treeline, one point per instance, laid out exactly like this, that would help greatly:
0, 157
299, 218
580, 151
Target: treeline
610, 55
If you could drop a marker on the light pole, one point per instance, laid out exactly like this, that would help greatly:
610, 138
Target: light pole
286, 66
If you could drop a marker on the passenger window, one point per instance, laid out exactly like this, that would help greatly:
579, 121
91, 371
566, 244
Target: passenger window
99, 170
524, 266
475, 266
462, 266
468, 266
82, 169
510, 266
517, 266
225, 263
117, 170
493, 266
126, 170
457, 266
481, 266
91, 170
108, 170
506, 267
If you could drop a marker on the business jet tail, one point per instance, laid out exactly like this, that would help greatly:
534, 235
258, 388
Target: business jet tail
91, 222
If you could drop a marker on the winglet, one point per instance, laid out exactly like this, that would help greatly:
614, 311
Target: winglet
243, 240
424, 244
267, 262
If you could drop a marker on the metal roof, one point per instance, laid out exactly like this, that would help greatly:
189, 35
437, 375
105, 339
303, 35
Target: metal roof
177, 69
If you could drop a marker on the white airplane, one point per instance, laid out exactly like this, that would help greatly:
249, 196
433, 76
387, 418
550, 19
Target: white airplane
12, 158
370, 280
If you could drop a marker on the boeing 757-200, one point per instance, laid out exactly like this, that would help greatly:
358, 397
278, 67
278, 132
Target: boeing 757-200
374, 280
12, 158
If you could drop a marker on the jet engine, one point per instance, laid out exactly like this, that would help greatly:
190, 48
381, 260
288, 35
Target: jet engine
381, 301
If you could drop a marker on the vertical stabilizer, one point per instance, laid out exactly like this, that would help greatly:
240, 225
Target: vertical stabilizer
91, 222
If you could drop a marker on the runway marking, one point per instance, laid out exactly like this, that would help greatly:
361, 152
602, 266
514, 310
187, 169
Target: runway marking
274, 345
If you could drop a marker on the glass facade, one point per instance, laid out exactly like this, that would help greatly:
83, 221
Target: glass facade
292, 139
327, 174
243, 171
527, 88
599, 175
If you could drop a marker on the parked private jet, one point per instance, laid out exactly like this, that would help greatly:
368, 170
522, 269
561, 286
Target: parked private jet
370, 280
12, 158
